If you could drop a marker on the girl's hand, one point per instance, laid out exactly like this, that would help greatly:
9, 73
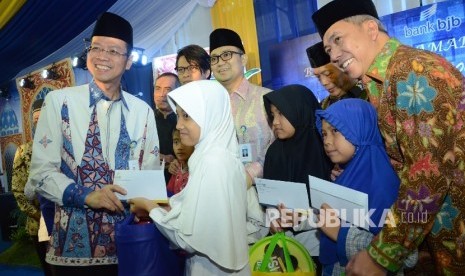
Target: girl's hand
329, 221
174, 167
286, 219
141, 206
335, 172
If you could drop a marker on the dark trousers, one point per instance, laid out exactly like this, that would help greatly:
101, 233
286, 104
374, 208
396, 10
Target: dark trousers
41, 249
98, 270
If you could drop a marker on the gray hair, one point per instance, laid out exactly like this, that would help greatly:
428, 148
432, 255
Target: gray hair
359, 19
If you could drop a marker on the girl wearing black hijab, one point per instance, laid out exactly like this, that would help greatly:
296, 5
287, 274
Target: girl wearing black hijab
294, 158
298, 149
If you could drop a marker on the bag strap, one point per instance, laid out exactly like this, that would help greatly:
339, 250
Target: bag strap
289, 266
280, 236
266, 259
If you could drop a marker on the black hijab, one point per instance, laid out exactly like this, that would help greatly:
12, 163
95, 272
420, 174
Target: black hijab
303, 154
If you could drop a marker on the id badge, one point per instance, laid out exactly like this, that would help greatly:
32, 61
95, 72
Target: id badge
134, 165
245, 153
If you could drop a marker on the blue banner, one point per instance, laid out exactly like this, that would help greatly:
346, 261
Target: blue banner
437, 28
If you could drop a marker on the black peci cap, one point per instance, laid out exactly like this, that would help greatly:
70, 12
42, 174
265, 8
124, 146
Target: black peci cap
337, 10
225, 37
317, 55
112, 25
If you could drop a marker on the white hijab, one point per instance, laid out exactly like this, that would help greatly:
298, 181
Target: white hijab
210, 213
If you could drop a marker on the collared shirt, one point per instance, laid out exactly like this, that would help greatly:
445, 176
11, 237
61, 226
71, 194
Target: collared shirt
354, 92
420, 101
45, 177
251, 123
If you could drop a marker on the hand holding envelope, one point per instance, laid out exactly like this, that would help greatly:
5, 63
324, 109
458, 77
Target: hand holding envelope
106, 198
349, 203
149, 184
329, 222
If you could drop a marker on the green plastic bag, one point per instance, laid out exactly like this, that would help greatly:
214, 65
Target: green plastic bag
280, 255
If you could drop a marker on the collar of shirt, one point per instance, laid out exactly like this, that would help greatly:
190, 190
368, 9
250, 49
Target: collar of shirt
243, 88
96, 94
169, 116
377, 70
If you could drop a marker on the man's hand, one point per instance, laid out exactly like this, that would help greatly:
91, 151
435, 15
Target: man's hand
105, 198
363, 264
174, 167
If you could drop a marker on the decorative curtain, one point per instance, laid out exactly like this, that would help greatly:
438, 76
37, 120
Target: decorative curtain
8, 9
42, 86
239, 16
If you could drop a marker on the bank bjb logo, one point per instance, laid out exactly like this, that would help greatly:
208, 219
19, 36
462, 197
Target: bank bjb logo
441, 24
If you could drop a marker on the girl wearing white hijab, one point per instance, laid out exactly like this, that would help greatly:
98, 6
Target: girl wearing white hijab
208, 217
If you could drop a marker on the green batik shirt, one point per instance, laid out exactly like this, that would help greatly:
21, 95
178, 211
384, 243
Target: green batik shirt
420, 100
19, 177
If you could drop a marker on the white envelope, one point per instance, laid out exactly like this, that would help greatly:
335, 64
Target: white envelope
273, 192
145, 183
351, 204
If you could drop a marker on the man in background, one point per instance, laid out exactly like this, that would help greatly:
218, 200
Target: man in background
228, 60
21, 165
336, 82
192, 63
165, 117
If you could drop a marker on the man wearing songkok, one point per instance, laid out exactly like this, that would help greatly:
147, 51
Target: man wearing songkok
420, 100
228, 60
84, 134
336, 82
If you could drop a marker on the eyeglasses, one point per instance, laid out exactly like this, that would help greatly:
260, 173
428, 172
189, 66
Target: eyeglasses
190, 68
111, 52
227, 55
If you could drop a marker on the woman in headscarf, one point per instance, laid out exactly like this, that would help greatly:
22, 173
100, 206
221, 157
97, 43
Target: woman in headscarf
298, 150
353, 141
208, 217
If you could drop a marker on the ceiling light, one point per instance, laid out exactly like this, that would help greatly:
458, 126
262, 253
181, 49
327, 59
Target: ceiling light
27, 83
135, 56
144, 60
50, 74
138, 57
80, 60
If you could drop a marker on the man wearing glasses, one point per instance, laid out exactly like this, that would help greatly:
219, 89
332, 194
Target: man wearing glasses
192, 63
84, 134
228, 60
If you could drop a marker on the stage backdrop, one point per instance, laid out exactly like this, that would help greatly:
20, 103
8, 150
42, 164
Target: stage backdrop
10, 140
437, 28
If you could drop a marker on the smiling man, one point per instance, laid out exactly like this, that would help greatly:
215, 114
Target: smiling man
420, 101
228, 60
84, 134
